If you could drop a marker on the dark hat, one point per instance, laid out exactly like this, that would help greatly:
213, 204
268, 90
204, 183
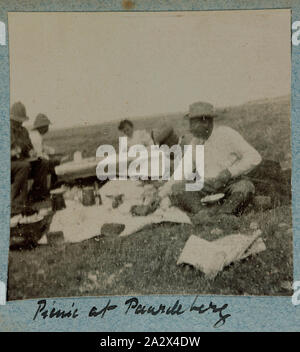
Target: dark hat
18, 112
40, 121
200, 109
165, 135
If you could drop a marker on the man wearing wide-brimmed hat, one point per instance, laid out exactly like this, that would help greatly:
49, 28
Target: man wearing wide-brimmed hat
40, 128
227, 159
22, 164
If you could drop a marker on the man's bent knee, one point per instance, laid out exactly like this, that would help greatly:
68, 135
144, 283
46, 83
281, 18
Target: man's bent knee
245, 187
21, 165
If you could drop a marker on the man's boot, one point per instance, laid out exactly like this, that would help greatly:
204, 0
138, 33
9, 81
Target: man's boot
235, 204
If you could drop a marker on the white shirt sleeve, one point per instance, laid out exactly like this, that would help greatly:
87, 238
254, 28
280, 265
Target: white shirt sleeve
37, 142
48, 150
247, 156
38, 145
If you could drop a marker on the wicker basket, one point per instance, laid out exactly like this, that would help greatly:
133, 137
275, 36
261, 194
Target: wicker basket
28, 235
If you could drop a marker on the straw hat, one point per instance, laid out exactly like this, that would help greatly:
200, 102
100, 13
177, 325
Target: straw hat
200, 109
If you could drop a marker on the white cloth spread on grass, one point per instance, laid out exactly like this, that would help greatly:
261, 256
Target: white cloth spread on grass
88, 166
212, 257
76, 168
80, 223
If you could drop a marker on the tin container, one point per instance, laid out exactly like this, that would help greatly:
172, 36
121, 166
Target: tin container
88, 196
58, 202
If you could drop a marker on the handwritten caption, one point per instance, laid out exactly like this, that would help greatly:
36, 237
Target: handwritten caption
131, 306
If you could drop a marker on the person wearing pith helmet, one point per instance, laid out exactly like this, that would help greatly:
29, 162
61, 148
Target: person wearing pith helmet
41, 123
21, 147
24, 163
20, 141
18, 112
39, 129
227, 159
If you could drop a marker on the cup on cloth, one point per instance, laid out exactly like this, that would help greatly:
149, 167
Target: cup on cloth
88, 196
77, 156
98, 198
57, 200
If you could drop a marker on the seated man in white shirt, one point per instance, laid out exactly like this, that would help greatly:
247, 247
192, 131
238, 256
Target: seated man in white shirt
40, 128
228, 158
135, 136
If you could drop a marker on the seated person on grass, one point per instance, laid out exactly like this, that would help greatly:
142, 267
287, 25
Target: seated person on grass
135, 137
39, 130
228, 159
24, 163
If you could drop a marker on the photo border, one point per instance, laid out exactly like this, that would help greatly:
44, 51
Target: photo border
247, 313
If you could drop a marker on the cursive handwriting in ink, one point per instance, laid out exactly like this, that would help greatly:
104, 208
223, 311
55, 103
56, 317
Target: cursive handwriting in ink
54, 313
133, 303
94, 313
201, 309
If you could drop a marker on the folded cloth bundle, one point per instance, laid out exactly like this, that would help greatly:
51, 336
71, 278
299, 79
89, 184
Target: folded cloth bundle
150, 203
144, 210
118, 200
212, 257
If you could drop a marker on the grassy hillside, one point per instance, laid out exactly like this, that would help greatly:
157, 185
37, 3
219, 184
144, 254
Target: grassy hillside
263, 123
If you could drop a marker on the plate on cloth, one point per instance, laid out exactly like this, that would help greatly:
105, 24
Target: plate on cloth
31, 219
15, 220
32, 159
213, 198
58, 191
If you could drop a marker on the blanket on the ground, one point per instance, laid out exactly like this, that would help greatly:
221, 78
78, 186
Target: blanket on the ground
80, 223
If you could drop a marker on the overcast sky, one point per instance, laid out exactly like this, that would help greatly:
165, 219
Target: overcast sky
85, 68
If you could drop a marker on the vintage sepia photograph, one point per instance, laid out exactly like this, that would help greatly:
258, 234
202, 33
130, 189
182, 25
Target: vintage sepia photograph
150, 153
